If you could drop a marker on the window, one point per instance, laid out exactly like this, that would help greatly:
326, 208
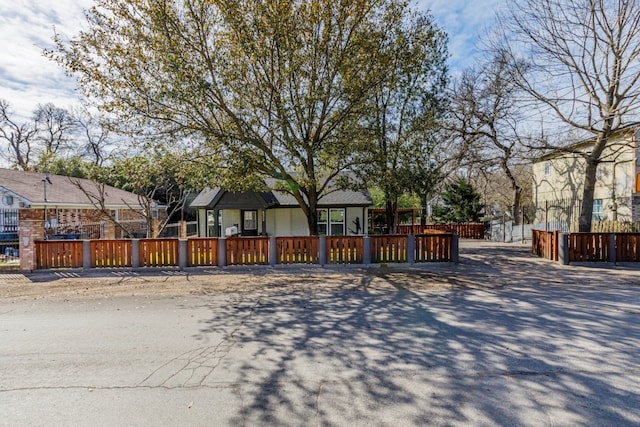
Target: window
323, 220
331, 222
598, 212
547, 168
250, 220
211, 224
337, 222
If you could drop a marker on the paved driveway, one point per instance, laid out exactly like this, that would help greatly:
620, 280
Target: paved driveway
502, 338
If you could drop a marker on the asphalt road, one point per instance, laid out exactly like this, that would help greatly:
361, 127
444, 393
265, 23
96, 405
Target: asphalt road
513, 341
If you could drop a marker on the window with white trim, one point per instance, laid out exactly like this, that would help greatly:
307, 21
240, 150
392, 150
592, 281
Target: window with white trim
331, 222
598, 210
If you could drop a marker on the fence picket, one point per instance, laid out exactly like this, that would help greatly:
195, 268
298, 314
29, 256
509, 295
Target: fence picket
389, 248
202, 251
433, 247
158, 252
345, 249
464, 231
58, 254
110, 253
247, 250
297, 250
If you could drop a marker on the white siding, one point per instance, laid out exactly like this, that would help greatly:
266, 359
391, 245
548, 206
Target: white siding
565, 179
287, 222
351, 215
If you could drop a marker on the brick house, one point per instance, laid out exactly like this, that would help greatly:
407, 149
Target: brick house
36, 206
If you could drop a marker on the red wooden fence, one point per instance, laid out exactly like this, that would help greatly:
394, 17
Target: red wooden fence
588, 247
110, 253
242, 251
297, 250
389, 248
247, 250
158, 252
545, 244
202, 251
464, 231
434, 248
58, 254
345, 249
628, 247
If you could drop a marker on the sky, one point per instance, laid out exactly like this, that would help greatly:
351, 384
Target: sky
27, 78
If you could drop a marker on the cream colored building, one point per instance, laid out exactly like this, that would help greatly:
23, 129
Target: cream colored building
559, 181
275, 213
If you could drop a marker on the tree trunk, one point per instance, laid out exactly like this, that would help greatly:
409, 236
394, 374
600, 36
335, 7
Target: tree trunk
423, 218
515, 188
391, 211
312, 222
515, 205
586, 209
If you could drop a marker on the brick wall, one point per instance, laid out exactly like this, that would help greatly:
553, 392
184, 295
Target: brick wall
94, 224
31, 229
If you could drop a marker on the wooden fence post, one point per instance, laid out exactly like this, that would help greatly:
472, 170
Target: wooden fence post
273, 250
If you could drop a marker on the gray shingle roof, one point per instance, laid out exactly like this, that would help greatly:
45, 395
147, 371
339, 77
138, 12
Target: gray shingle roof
62, 190
282, 199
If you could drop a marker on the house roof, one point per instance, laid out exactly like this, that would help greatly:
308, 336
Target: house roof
585, 143
210, 197
61, 190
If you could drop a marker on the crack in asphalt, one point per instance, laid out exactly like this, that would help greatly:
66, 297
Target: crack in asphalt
479, 376
197, 365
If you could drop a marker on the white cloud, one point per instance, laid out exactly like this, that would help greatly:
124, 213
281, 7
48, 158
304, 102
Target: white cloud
27, 78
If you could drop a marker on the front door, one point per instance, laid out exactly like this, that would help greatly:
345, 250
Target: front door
249, 222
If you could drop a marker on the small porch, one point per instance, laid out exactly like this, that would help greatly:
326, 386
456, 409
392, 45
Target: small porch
233, 214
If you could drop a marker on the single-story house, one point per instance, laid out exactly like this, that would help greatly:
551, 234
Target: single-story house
72, 207
277, 213
559, 181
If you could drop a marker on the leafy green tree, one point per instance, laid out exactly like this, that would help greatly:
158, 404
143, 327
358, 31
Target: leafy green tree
75, 167
403, 112
269, 88
460, 203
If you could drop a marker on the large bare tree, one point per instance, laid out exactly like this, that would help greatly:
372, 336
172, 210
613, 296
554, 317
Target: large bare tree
487, 119
580, 60
274, 88
56, 128
19, 138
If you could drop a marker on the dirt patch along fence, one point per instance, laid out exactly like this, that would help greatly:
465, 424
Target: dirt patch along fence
221, 252
586, 247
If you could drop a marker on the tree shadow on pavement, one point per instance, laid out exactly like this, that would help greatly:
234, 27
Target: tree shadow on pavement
384, 348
